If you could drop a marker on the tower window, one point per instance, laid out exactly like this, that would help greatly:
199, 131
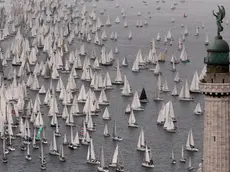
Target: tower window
214, 138
212, 80
223, 80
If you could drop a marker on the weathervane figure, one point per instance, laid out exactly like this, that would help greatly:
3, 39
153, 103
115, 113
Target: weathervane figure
219, 18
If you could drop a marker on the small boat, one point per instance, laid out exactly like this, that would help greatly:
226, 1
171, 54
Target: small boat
117, 161
43, 161
173, 158
71, 144
106, 132
165, 86
197, 31
125, 62
182, 160
61, 155
118, 79
28, 156
53, 147
183, 55
136, 104
143, 97
184, 93
148, 162
206, 40
194, 88
141, 144
128, 109
106, 115
65, 142
177, 77
115, 137
190, 146
115, 157
198, 110
91, 157
132, 120
4, 158
190, 167
102, 167
174, 91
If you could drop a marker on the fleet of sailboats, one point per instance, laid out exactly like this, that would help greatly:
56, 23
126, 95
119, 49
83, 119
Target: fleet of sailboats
53, 34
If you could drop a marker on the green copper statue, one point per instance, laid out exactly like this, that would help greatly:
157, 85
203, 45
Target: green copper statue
219, 18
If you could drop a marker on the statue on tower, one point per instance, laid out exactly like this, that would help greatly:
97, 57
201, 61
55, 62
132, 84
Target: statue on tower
219, 18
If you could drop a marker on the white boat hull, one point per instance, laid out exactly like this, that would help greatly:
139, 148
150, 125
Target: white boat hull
145, 164
117, 138
192, 149
102, 169
133, 125
95, 162
112, 165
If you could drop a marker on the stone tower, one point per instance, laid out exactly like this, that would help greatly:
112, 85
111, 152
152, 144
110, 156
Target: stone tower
216, 89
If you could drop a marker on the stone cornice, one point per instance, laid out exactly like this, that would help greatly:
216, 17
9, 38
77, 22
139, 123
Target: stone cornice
215, 88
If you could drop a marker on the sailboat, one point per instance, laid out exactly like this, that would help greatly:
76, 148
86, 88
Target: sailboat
198, 110
115, 136
143, 97
61, 155
157, 95
184, 93
148, 161
194, 88
136, 105
106, 115
128, 109
132, 120
118, 79
28, 156
177, 77
206, 40
125, 62
106, 132
130, 35
102, 167
141, 144
43, 161
165, 86
190, 167
197, 31
53, 147
71, 144
190, 146
115, 157
182, 160
173, 158
174, 91
91, 157
116, 161
183, 55
4, 158
65, 142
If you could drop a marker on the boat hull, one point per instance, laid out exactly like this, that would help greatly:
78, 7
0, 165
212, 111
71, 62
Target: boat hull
95, 162
192, 149
133, 125
117, 138
102, 169
146, 165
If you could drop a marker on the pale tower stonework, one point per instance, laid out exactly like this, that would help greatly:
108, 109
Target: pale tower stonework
216, 89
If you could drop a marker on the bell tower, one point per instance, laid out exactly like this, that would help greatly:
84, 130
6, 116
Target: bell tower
216, 89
